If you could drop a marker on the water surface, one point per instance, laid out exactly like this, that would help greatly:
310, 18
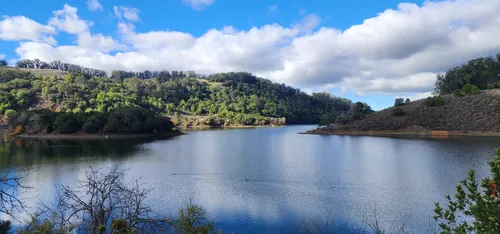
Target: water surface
268, 180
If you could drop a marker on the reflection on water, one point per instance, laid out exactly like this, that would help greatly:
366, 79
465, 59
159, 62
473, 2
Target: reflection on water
31, 152
268, 179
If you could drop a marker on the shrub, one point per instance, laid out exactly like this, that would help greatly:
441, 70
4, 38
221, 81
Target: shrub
93, 124
475, 208
158, 124
10, 117
458, 93
398, 111
433, 101
407, 101
470, 89
66, 123
399, 102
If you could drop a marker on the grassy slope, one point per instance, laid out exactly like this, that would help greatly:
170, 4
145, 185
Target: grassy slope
44, 72
472, 113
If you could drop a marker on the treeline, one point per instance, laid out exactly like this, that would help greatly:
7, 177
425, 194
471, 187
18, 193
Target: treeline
231, 98
484, 73
131, 120
58, 65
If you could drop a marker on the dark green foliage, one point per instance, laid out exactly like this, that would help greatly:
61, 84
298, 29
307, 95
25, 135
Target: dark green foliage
398, 111
433, 101
10, 117
5, 226
470, 89
136, 120
94, 123
475, 208
3, 63
458, 93
234, 98
399, 102
407, 101
66, 123
481, 72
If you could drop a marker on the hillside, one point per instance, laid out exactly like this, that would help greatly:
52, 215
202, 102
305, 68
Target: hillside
469, 114
223, 99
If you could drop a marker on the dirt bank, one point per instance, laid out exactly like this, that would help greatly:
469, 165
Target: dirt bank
471, 115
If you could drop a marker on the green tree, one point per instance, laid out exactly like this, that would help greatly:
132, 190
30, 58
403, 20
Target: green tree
10, 117
66, 123
399, 102
3, 63
475, 208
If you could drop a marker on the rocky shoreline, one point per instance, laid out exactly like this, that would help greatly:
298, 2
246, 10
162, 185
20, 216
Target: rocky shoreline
403, 133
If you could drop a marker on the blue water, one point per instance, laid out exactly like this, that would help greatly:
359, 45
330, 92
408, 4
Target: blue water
268, 180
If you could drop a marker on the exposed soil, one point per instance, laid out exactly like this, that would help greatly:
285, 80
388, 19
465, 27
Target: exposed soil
468, 115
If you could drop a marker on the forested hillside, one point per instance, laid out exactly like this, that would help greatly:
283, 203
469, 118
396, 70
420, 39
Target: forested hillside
227, 98
481, 72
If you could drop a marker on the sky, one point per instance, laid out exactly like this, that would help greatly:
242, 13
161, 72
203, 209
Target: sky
364, 50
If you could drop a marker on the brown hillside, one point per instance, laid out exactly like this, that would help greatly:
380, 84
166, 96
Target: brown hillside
470, 113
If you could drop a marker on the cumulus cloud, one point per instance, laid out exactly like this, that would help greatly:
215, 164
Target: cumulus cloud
129, 13
198, 5
67, 20
17, 28
2, 56
94, 5
396, 52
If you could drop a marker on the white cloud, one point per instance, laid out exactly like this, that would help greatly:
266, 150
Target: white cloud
2, 56
198, 5
396, 52
67, 20
415, 96
17, 28
94, 5
129, 13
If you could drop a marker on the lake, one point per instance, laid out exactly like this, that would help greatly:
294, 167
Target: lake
268, 180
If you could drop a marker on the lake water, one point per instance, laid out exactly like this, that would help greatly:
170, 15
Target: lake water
268, 180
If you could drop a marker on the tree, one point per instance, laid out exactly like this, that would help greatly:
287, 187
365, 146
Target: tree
399, 102
3, 63
10, 117
407, 101
193, 219
104, 202
475, 209
66, 123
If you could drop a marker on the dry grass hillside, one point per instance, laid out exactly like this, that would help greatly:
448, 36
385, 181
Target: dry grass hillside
471, 113
44, 72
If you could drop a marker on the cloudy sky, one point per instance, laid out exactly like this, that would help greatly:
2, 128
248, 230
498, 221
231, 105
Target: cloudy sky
365, 50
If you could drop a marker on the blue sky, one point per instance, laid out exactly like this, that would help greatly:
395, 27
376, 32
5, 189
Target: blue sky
371, 51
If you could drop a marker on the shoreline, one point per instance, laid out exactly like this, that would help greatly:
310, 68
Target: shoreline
207, 127
440, 134
97, 136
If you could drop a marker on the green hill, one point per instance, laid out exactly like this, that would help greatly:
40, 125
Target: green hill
220, 99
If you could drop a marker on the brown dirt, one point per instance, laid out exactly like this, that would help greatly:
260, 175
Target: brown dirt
468, 115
